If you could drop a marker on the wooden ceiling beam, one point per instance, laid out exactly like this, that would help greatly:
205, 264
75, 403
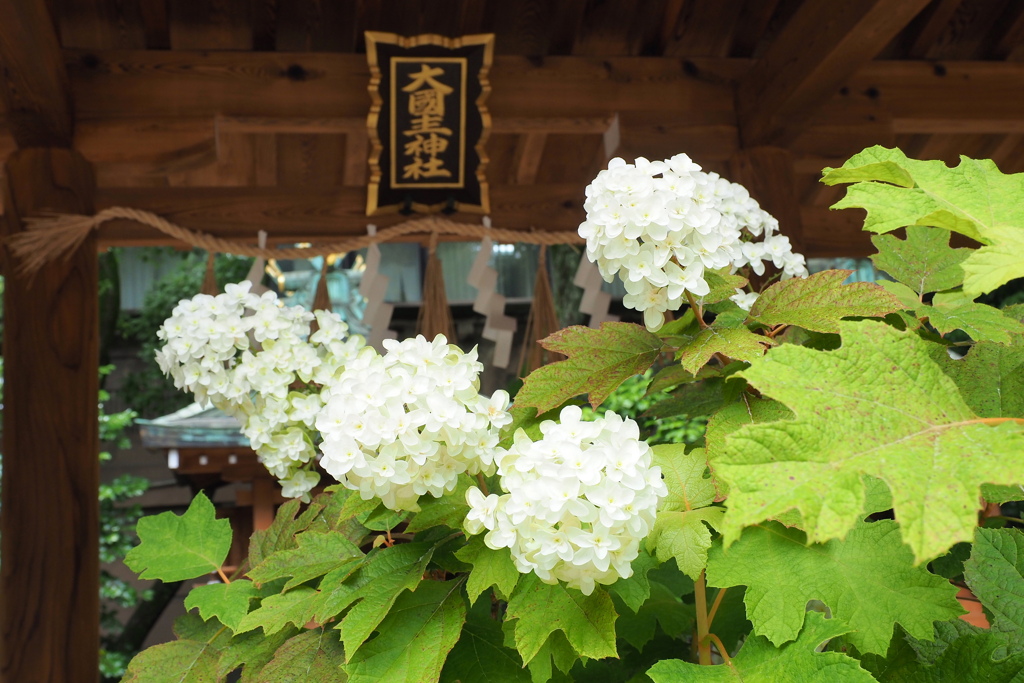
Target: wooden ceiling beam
817, 51
33, 79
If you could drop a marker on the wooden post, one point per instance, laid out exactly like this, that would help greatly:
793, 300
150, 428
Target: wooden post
767, 172
49, 575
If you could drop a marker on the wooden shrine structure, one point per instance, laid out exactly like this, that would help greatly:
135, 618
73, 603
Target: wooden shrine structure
233, 116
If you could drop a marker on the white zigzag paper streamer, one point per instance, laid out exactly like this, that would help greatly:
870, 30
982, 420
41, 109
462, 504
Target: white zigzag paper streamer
256, 270
498, 327
374, 286
594, 302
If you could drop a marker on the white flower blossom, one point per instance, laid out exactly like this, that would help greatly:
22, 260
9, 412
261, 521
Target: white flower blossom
660, 224
577, 502
394, 427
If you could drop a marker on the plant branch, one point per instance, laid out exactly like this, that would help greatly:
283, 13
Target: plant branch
700, 595
222, 575
483, 484
715, 605
721, 649
698, 311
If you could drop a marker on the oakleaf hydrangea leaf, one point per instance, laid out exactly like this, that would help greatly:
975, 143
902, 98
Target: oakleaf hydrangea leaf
995, 574
687, 486
490, 568
251, 651
990, 377
313, 656
924, 261
761, 662
316, 555
972, 657
725, 337
955, 311
974, 199
276, 611
280, 535
685, 536
597, 362
372, 590
868, 580
588, 621
820, 301
193, 658
415, 637
174, 548
481, 655
180, 661
229, 602
721, 284
878, 406
662, 607
635, 590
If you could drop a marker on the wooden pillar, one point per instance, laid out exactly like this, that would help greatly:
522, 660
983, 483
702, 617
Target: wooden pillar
49, 575
767, 172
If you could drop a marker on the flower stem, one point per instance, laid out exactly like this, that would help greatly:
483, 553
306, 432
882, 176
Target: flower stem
223, 576
715, 605
698, 312
703, 646
721, 649
483, 484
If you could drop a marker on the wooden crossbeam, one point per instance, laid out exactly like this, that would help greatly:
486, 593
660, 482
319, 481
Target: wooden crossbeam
821, 46
33, 81
295, 215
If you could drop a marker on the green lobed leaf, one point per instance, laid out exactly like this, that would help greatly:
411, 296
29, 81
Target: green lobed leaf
280, 535
924, 261
251, 652
449, 510
313, 656
481, 655
974, 199
686, 537
635, 590
990, 377
721, 284
553, 661
180, 661
820, 301
662, 607
372, 589
597, 362
588, 621
415, 637
683, 472
759, 661
316, 555
723, 336
953, 311
173, 548
995, 574
490, 568
297, 607
971, 658
229, 602
868, 581
699, 398
877, 406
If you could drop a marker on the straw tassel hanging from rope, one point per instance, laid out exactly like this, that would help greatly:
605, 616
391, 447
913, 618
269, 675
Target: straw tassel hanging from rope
210, 278
541, 323
435, 315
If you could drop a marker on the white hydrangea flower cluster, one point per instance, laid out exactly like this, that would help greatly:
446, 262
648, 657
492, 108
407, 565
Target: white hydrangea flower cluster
409, 422
394, 426
254, 358
578, 501
661, 224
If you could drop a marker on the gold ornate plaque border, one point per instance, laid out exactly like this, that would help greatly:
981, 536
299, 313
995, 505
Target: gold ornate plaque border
375, 38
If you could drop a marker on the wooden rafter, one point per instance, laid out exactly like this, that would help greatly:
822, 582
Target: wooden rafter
823, 44
33, 80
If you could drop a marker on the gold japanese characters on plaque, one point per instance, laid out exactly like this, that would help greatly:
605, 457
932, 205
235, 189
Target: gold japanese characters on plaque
428, 123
